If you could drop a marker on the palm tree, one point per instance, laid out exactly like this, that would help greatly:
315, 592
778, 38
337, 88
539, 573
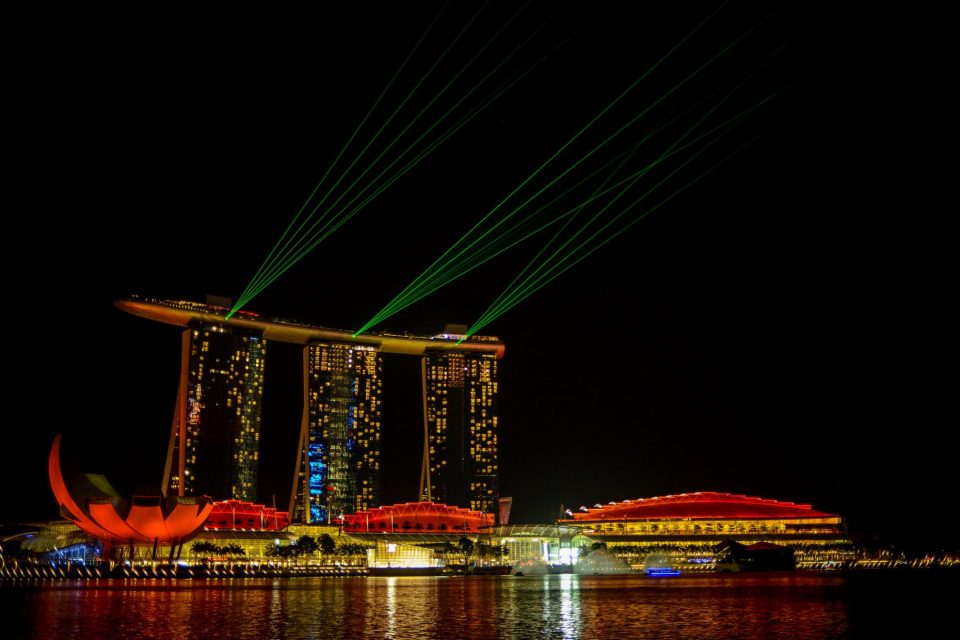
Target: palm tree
465, 547
203, 547
327, 544
306, 545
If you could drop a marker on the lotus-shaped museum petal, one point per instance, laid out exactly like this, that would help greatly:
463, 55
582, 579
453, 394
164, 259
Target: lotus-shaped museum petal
90, 502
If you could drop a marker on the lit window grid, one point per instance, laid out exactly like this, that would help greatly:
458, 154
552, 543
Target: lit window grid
475, 376
236, 383
345, 391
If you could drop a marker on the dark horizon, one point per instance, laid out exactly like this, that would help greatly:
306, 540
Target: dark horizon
754, 336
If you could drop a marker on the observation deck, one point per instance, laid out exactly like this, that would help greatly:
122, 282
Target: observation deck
181, 313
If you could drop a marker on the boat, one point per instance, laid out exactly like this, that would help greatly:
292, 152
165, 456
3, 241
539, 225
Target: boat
662, 572
405, 571
498, 570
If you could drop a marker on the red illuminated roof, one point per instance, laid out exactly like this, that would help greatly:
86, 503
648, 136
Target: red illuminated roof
239, 515
702, 505
417, 517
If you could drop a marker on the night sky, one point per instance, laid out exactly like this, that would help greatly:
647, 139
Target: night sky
755, 335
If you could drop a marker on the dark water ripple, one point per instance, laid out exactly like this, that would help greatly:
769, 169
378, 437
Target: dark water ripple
796, 605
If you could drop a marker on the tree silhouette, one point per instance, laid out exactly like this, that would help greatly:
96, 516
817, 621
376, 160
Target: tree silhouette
465, 547
327, 544
306, 545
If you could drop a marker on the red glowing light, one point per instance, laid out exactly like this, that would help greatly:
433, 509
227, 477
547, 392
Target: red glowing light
706, 505
417, 517
100, 513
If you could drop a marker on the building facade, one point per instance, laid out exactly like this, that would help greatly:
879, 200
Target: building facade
215, 438
461, 430
338, 466
420, 518
686, 529
214, 441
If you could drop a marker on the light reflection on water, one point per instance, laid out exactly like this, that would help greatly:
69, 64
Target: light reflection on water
569, 606
795, 605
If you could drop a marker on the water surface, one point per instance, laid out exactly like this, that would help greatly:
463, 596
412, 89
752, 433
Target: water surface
790, 605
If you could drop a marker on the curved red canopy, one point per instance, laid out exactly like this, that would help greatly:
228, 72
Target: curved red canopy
707, 505
95, 507
417, 517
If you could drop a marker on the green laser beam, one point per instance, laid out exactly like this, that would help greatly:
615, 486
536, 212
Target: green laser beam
341, 152
529, 272
661, 126
559, 232
341, 218
539, 285
492, 251
533, 261
432, 270
657, 129
497, 311
446, 278
395, 112
544, 278
417, 159
575, 137
440, 280
488, 253
335, 222
462, 122
399, 108
493, 247
450, 132
477, 327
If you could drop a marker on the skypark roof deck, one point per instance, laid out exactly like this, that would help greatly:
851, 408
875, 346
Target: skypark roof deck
182, 312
